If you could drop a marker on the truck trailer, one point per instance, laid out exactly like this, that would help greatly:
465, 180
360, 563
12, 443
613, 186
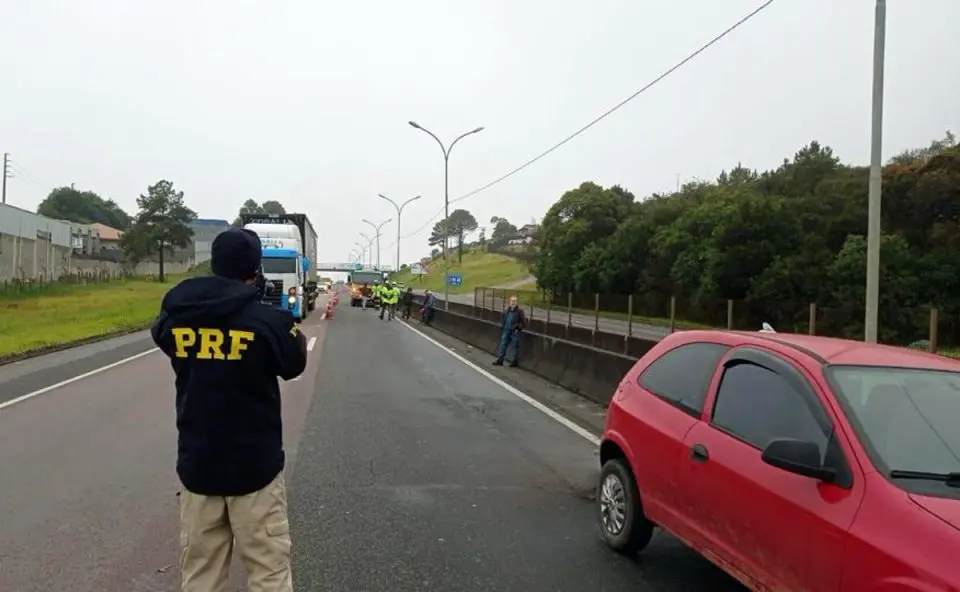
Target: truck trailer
289, 254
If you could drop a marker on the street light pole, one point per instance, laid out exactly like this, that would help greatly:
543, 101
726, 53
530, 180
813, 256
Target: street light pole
876, 177
446, 197
377, 228
399, 209
369, 248
363, 251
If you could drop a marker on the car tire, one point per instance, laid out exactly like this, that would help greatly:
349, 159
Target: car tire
623, 525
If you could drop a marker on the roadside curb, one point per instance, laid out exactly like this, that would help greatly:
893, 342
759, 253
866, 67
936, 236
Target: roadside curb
59, 347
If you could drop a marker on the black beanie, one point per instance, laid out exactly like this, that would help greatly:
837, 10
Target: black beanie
236, 254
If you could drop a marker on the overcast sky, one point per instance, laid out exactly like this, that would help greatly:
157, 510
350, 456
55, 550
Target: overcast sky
307, 102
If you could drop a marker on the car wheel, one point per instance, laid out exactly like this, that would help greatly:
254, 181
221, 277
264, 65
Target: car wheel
623, 525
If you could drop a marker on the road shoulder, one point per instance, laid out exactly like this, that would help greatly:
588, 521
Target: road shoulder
586, 414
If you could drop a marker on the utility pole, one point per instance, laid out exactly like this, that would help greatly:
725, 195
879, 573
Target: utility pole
876, 178
6, 174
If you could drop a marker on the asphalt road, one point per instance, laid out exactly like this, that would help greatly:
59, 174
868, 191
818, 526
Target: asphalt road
605, 324
409, 470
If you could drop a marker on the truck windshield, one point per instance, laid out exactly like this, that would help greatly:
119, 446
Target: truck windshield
366, 277
906, 417
279, 265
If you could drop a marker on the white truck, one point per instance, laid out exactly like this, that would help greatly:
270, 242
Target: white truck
289, 252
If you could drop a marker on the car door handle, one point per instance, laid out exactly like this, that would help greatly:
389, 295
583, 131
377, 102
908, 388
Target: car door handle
699, 453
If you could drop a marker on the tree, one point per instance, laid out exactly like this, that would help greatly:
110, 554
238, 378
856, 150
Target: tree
438, 235
460, 223
161, 225
273, 207
773, 241
252, 207
503, 231
83, 207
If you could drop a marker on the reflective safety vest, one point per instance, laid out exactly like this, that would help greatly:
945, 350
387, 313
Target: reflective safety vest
391, 295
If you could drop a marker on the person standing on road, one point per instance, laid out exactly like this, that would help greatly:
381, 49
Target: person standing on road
514, 322
227, 350
364, 295
429, 304
407, 303
389, 297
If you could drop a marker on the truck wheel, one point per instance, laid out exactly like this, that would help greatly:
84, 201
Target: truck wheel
623, 525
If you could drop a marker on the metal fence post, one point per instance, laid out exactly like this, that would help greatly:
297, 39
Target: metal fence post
812, 321
596, 311
569, 312
729, 314
934, 330
673, 314
546, 327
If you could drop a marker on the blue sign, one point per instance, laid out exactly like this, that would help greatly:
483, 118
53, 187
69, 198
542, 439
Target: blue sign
454, 279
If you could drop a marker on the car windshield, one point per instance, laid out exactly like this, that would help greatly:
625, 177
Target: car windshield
279, 265
907, 417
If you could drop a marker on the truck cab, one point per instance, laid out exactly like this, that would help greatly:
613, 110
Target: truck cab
284, 268
285, 265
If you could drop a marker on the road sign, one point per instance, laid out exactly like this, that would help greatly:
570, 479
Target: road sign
454, 279
418, 269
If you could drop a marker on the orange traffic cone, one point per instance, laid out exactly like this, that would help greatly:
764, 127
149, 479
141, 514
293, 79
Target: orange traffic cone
329, 314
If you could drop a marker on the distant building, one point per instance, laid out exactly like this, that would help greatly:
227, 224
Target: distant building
33, 246
204, 231
529, 230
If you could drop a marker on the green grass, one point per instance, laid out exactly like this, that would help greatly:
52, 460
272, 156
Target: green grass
478, 269
66, 313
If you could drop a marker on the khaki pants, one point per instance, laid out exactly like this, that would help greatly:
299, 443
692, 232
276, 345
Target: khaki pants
256, 524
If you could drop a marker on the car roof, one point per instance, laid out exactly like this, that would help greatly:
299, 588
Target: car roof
831, 350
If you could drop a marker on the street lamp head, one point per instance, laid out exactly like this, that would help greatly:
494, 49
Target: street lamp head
367, 221
384, 196
478, 130
414, 124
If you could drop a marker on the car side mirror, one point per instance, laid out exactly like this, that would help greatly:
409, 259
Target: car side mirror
799, 457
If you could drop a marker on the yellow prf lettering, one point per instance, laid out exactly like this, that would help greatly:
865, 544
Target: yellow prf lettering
183, 338
238, 343
212, 343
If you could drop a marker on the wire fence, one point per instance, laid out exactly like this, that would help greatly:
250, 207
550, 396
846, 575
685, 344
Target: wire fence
18, 287
653, 316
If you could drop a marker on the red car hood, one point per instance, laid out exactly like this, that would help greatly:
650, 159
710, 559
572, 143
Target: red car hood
947, 510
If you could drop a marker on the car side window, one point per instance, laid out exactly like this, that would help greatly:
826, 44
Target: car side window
682, 375
758, 405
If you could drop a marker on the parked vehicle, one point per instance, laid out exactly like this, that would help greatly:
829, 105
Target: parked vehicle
795, 463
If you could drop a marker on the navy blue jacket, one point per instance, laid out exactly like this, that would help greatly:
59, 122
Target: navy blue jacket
227, 350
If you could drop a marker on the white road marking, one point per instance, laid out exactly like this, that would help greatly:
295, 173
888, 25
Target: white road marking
311, 343
47, 389
583, 433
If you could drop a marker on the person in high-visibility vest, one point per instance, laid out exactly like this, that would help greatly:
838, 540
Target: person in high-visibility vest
389, 297
376, 294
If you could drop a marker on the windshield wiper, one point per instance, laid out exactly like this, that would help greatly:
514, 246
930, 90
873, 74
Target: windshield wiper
950, 479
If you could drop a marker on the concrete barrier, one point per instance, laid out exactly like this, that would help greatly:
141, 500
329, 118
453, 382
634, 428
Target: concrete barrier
614, 342
589, 371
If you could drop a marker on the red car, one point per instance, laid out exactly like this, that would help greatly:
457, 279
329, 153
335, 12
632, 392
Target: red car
795, 463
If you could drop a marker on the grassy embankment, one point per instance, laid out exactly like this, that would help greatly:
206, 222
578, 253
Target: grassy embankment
59, 314
478, 269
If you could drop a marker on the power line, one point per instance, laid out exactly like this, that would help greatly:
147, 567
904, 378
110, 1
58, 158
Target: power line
604, 115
